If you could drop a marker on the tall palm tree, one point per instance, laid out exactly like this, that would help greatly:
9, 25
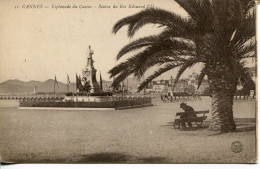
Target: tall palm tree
218, 34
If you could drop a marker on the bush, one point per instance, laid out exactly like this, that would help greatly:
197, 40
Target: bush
89, 94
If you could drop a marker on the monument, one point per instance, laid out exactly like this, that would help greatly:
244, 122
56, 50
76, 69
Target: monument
89, 74
88, 88
89, 94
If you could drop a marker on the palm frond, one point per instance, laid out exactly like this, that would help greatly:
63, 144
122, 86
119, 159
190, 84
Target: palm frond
245, 31
167, 49
247, 5
200, 11
153, 16
246, 51
159, 58
122, 76
137, 44
201, 77
244, 74
166, 36
122, 66
185, 65
165, 68
250, 55
144, 42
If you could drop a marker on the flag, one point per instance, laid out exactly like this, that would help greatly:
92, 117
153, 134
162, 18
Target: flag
101, 82
68, 82
68, 79
78, 83
56, 82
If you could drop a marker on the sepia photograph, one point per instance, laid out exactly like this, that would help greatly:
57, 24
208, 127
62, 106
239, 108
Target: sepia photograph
128, 82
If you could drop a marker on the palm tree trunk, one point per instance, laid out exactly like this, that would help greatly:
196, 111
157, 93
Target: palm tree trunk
223, 89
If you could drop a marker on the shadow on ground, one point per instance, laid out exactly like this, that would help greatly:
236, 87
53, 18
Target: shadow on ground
110, 157
193, 128
240, 127
246, 128
243, 125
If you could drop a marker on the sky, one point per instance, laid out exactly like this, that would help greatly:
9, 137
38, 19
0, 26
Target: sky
37, 44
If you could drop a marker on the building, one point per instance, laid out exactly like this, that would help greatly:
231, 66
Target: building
160, 86
165, 86
181, 86
188, 85
192, 79
149, 88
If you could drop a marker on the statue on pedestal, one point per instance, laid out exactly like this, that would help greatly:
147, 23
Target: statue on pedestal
88, 83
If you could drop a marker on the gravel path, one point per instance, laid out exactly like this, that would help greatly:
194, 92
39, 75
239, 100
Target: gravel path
127, 136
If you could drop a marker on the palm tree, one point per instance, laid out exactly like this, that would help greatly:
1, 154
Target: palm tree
218, 34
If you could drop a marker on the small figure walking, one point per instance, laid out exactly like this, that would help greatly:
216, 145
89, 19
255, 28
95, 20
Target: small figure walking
188, 113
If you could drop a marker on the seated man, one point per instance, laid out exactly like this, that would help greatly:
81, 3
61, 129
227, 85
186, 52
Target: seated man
188, 113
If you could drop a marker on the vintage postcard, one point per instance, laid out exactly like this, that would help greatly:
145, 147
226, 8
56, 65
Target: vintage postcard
129, 81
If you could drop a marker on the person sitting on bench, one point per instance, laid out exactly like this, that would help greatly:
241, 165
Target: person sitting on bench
188, 113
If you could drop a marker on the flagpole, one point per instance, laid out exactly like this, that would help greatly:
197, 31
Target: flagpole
76, 87
101, 82
127, 85
123, 86
54, 91
68, 87
145, 86
76, 94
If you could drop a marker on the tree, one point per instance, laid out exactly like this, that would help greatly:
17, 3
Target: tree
206, 92
247, 84
219, 34
190, 89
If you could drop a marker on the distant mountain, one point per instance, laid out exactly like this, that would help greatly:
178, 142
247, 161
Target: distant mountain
14, 86
20, 87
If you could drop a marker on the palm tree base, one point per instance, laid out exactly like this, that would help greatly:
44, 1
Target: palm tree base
230, 127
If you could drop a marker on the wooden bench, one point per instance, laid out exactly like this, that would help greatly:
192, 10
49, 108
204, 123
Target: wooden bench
201, 115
